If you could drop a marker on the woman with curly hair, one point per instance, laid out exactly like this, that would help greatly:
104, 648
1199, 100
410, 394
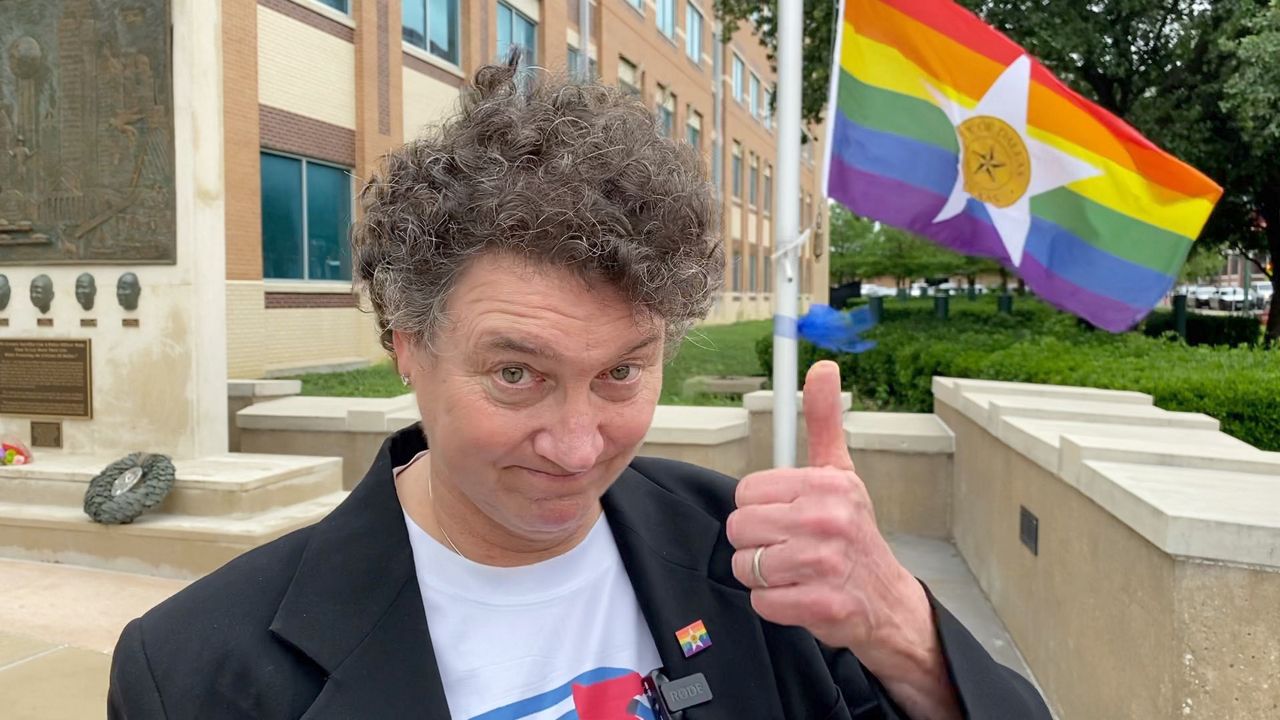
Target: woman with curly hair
532, 262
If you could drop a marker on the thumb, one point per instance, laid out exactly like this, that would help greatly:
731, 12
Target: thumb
824, 417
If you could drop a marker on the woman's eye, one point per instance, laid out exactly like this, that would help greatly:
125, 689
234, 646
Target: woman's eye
513, 375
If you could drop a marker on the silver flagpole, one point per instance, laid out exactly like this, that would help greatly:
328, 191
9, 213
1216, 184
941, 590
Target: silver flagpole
786, 232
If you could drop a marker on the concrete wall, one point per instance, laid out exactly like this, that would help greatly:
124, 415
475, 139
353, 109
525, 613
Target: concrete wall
1152, 594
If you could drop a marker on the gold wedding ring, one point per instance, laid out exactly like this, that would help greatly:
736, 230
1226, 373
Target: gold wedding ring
755, 567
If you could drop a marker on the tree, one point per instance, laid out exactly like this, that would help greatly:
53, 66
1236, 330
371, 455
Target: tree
818, 31
854, 247
1203, 262
862, 249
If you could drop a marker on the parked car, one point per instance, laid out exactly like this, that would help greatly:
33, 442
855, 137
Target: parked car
1260, 295
1229, 298
1202, 296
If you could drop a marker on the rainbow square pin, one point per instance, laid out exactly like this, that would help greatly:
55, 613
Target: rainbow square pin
693, 638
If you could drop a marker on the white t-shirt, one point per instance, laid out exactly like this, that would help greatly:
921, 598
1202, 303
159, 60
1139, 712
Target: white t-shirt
563, 638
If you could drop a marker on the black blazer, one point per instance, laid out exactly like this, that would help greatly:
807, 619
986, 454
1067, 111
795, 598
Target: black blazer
327, 622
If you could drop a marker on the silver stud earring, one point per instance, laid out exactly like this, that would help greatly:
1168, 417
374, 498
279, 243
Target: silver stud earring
405, 380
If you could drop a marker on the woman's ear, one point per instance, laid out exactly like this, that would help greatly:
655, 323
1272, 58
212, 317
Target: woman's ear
406, 354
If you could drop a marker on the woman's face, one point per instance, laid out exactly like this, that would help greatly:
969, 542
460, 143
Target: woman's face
538, 394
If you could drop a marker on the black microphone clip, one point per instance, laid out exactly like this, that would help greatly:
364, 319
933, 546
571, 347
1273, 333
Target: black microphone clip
669, 698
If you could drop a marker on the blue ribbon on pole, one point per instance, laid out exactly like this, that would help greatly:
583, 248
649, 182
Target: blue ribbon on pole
837, 331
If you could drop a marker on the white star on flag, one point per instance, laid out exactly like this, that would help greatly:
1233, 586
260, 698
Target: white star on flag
1050, 168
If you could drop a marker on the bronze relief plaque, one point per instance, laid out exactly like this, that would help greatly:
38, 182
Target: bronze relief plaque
46, 378
86, 132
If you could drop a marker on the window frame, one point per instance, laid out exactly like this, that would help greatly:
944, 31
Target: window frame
630, 87
345, 10
737, 72
753, 182
426, 35
305, 259
766, 205
667, 105
735, 180
692, 38
670, 17
689, 115
532, 57
637, 5
753, 95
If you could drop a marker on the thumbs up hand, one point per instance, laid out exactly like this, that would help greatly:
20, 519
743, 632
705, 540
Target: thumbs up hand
809, 549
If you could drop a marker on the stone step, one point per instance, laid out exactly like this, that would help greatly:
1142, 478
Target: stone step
230, 484
166, 545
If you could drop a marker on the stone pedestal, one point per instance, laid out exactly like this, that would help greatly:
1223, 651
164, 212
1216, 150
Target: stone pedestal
158, 366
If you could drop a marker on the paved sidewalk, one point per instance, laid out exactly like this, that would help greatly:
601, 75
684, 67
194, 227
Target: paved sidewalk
58, 624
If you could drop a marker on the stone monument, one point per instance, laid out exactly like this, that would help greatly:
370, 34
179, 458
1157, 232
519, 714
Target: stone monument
111, 165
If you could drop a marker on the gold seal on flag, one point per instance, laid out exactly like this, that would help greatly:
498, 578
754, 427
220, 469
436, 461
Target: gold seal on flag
996, 165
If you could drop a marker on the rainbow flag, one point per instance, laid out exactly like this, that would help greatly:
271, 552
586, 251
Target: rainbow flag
943, 126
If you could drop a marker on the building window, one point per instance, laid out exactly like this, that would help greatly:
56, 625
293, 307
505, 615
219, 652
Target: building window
755, 96
628, 76
751, 277
768, 273
341, 6
575, 57
667, 17
738, 70
737, 169
754, 183
767, 110
518, 30
306, 216
768, 189
667, 112
433, 26
693, 128
693, 33
736, 270
637, 4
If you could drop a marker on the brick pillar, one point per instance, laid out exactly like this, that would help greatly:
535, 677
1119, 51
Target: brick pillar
241, 133
553, 36
379, 81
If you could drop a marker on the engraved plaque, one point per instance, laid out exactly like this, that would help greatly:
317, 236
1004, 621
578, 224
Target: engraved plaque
46, 434
46, 377
86, 132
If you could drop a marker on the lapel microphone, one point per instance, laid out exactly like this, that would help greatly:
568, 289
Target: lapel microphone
670, 698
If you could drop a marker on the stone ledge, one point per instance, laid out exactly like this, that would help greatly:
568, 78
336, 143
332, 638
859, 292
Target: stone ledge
263, 388
1218, 516
913, 433
762, 401
335, 414
696, 425
1172, 477
1039, 438
949, 388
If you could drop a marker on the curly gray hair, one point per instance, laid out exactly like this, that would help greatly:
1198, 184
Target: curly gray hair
560, 171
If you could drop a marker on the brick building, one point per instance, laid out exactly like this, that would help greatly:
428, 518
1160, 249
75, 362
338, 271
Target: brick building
315, 91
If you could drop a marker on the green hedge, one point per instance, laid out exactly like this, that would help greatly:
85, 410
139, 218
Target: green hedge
1230, 330
1238, 386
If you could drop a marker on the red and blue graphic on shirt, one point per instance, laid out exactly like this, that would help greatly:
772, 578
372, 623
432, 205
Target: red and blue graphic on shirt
600, 694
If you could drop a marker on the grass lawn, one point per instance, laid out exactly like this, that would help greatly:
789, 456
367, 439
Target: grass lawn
711, 350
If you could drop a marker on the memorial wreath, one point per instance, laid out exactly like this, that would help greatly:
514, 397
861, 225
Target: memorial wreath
128, 487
